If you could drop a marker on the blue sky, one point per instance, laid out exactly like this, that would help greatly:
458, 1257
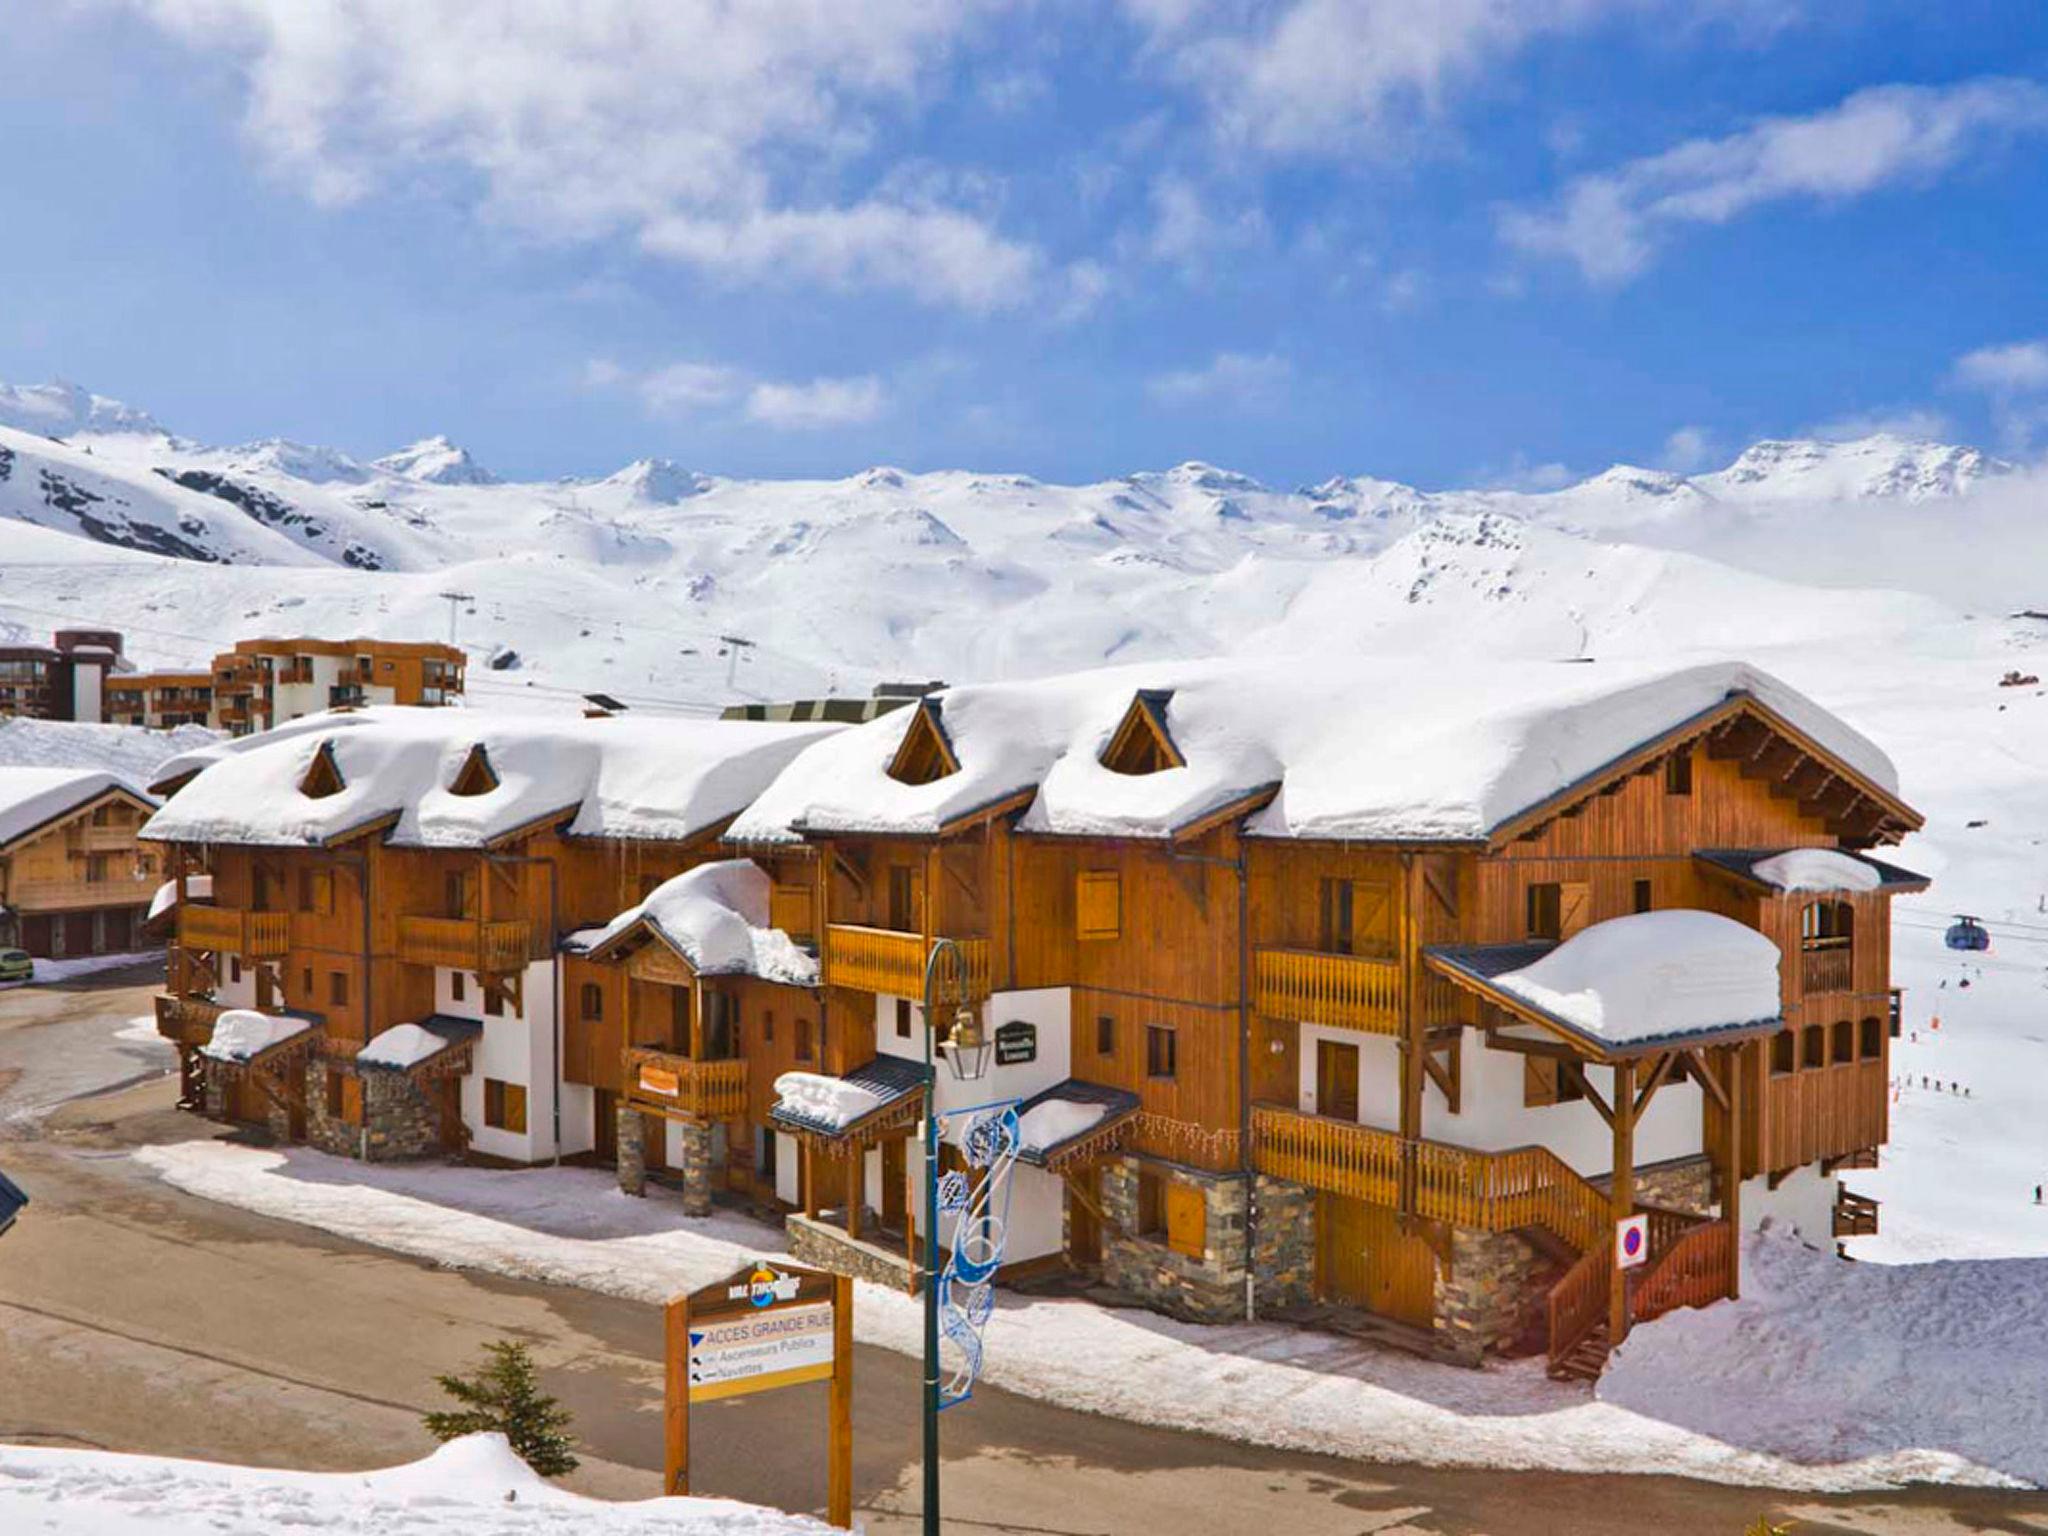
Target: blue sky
1446, 241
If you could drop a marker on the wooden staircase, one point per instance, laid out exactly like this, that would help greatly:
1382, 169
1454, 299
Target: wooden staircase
1585, 1357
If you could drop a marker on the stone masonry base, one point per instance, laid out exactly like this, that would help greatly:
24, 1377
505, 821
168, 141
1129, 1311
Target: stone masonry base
1205, 1289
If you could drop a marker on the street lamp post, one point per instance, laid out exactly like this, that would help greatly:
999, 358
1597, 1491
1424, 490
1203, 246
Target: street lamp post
945, 986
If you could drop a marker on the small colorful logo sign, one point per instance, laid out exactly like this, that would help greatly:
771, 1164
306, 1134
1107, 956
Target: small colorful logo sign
1631, 1241
765, 1287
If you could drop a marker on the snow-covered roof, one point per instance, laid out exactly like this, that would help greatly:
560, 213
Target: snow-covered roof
404, 1046
832, 1106
716, 917
30, 797
1053, 1120
1793, 870
657, 778
242, 1034
1648, 977
1364, 748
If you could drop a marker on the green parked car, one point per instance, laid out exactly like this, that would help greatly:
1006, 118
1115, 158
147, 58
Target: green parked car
15, 965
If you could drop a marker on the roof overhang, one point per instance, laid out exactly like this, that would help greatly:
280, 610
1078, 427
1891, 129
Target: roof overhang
1473, 967
1737, 867
79, 807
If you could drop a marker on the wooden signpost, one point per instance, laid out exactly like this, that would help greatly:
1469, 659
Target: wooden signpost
769, 1325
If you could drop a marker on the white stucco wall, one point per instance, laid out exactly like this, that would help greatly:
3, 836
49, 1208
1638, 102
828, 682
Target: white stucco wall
787, 1161
1803, 1202
515, 1048
1047, 1008
1492, 1116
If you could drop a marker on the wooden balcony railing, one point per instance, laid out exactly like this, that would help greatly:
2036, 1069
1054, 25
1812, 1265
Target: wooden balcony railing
1691, 1273
1492, 1191
1855, 1215
1578, 1303
1352, 991
667, 1083
1828, 970
90, 839
888, 960
465, 944
234, 931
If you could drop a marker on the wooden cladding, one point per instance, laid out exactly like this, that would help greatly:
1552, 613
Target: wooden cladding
1098, 904
1828, 1112
1692, 1272
233, 931
1827, 970
791, 908
464, 944
1492, 1191
667, 1084
1349, 991
885, 960
186, 1020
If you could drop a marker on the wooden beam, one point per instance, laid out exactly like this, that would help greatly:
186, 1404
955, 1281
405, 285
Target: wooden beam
1731, 1165
1659, 1066
1705, 1077
1601, 1107
1521, 1045
1622, 1192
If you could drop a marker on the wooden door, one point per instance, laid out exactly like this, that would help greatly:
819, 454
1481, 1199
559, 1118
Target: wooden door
120, 930
36, 933
893, 1191
1364, 1259
1084, 1232
606, 1144
1337, 1079
654, 1142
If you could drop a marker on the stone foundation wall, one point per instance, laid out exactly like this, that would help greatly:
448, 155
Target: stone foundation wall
824, 1246
696, 1169
399, 1120
1494, 1293
1209, 1289
632, 1128
214, 1099
1283, 1244
1683, 1184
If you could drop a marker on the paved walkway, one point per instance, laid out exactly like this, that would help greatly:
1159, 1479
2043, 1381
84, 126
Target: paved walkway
138, 1318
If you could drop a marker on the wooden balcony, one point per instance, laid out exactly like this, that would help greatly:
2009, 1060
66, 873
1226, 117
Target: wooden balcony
1490, 1191
1855, 1215
465, 943
91, 839
1828, 970
233, 931
667, 1084
1824, 1112
887, 960
1312, 987
186, 1020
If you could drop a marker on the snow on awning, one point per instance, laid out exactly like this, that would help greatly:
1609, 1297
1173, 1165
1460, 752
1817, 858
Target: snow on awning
817, 1104
408, 1047
1071, 1121
1785, 870
1632, 985
715, 917
197, 888
240, 1035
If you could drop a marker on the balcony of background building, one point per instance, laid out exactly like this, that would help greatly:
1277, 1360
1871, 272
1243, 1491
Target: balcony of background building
889, 960
234, 931
665, 1083
466, 943
1349, 991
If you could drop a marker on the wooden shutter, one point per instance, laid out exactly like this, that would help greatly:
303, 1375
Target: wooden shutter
1372, 917
789, 908
1098, 904
1539, 1081
1187, 1220
1574, 907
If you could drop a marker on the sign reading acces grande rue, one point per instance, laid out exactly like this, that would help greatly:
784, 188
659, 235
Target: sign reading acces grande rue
770, 1325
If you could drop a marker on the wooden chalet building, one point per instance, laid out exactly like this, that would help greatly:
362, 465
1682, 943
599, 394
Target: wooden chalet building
394, 887
74, 880
1329, 990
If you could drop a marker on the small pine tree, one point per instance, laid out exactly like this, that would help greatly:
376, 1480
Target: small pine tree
503, 1397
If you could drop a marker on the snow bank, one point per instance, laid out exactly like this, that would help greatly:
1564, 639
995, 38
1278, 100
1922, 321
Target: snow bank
130, 751
1654, 974
469, 1487
1263, 1383
1819, 1357
400, 1046
1359, 747
827, 1101
240, 1034
716, 917
1817, 869
31, 796
653, 778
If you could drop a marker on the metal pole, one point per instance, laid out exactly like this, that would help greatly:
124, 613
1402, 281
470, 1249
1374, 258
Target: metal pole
931, 1241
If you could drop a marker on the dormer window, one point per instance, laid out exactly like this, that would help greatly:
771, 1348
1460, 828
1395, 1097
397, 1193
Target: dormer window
1142, 743
925, 754
476, 776
323, 775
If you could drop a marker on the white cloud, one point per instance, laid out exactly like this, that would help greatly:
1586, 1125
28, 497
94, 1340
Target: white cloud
1189, 230
818, 404
1903, 421
1609, 224
1687, 449
683, 387
1231, 378
2019, 367
1084, 286
715, 133
1326, 76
